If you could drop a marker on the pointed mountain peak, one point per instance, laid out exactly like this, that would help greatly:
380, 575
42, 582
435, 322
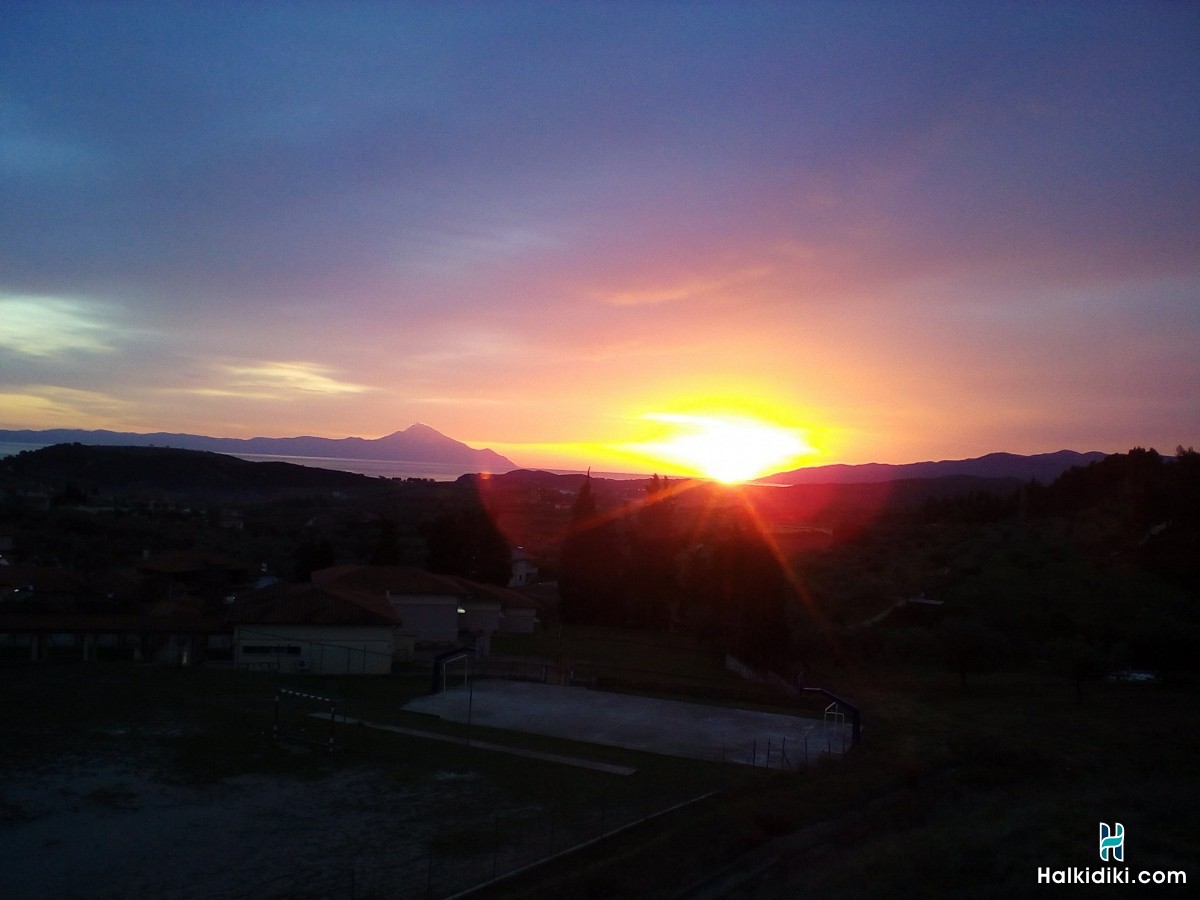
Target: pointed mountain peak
416, 430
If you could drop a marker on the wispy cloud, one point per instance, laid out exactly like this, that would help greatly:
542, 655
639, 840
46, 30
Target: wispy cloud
59, 407
277, 380
684, 288
46, 326
526, 222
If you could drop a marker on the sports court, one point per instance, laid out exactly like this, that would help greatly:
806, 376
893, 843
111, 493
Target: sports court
668, 727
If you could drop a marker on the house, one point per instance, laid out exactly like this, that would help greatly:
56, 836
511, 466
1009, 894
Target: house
49, 614
523, 570
480, 608
520, 614
313, 628
180, 631
426, 605
487, 609
200, 574
86, 637
46, 587
434, 609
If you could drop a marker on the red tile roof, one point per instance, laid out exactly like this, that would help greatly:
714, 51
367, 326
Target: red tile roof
312, 604
180, 562
401, 580
78, 623
383, 580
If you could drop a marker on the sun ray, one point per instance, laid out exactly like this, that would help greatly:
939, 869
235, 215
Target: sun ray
724, 448
789, 571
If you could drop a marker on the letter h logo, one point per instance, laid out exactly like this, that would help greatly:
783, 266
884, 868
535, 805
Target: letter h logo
1112, 842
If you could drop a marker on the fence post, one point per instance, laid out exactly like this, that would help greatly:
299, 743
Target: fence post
332, 724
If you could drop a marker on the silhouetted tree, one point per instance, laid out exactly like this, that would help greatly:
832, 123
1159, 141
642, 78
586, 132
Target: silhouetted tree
387, 551
738, 593
467, 543
654, 549
972, 646
1136, 481
71, 495
312, 555
1082, 661
593, 580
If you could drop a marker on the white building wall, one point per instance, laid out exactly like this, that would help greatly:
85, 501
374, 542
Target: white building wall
429, 618
322, 649
479, 618
518, 621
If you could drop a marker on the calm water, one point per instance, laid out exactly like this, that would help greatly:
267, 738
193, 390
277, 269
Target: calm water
391, 468
13, 449
376, 468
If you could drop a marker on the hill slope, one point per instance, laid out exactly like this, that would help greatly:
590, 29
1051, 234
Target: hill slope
165, 470
1043, 467
417, 443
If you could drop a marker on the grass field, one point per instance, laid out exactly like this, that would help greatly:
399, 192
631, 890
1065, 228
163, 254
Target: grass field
122, 780
955, 792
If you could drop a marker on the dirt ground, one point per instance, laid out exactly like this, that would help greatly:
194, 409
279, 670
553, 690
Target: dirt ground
91, 826
96, 800
95, 828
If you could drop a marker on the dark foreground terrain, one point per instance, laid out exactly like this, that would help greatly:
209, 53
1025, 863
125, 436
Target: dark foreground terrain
123, 780
984, 636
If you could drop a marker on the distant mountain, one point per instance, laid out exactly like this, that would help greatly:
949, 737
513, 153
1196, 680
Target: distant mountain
171, 471
416, 444
1042, 467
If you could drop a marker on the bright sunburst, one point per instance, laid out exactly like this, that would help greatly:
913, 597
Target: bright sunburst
726, 448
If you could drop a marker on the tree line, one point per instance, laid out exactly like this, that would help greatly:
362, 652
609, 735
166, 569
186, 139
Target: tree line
647, 566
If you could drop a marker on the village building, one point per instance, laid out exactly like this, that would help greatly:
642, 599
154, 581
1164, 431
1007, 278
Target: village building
524, 571
437, 610
313, 628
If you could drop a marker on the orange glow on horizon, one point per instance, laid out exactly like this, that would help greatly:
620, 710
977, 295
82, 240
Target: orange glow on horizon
712, 439
724, 448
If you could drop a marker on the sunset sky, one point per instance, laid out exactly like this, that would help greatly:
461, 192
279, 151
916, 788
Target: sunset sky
565, 231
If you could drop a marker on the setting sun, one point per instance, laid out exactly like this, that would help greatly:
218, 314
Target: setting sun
725, 448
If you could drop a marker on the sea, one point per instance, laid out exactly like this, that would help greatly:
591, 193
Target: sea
376, 468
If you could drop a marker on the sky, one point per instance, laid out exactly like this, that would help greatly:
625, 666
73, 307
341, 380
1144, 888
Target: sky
566, 231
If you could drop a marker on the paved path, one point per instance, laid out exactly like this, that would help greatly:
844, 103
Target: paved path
670, 727
487, 745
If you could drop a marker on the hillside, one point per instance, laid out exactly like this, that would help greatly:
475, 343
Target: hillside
163, 470
416, 444
996, 710
1041, 467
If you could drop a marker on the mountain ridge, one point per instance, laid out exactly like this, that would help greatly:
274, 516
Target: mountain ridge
1042, 467
418, 443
